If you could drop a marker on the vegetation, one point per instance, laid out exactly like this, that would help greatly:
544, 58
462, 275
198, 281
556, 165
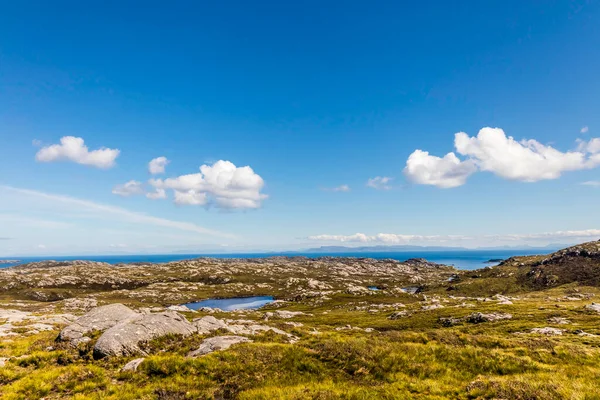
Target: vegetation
354, 346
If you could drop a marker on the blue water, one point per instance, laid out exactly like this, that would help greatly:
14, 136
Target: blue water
237, 303
462, 259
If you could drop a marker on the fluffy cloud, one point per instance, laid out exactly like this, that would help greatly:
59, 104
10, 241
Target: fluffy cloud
191, 198
74, 149
130, 188
446, 172
585, 129
380, 182
158, 194
491, 150
222, 184
527, 160
157, 165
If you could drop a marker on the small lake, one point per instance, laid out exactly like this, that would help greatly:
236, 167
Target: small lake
236, 303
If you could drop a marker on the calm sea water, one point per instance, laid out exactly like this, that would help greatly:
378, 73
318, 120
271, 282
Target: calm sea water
468, 259
237, 303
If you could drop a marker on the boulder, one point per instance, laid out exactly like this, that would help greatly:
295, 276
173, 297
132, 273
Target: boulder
180, 309
254, 329
593, 307
559, 321
432, 307
398, 315
217, 343
450, 321
283, 314
98, 319
124, 338
132, 365
208, 324
548, 331
477, 318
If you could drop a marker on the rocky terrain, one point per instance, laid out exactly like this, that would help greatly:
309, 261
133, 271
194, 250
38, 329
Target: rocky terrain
528, 328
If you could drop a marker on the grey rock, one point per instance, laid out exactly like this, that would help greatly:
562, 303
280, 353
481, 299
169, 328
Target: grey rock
558, 321
124, 338
98, 319
398, 315
450, 321
132, 365
432, 307
593, 307
477, 318
283, 314
217, 343
180, 309
548, 331
208, 324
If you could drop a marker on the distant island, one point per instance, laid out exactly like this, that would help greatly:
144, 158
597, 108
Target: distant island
9, 261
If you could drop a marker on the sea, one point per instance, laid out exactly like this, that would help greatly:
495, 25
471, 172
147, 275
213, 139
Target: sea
461, 259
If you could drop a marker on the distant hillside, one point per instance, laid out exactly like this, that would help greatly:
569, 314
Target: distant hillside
578, 264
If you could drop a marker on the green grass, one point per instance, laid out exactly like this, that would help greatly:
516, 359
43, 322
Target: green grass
410, 358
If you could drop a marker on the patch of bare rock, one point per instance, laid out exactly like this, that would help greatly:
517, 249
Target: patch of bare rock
217, 343
475, 318
124, 329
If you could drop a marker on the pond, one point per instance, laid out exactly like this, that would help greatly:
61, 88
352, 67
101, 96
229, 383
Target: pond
373, 288
235, 303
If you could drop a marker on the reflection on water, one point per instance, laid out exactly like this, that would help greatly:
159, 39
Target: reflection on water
236, 303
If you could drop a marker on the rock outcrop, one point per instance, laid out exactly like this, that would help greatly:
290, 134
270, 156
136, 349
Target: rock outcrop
217, 343
98, 319
124, 338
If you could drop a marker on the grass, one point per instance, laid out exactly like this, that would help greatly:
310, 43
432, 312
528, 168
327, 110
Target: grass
410, 358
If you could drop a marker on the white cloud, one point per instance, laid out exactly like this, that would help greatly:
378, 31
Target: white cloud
341, 188
222, 184
446, 172
585, 129
592, 146
591, 183
392, 238
384, 238
158, 194
380, 182
491, 150
74, 149
36, 142
527, 160
157, 165
121, 213
130, 188
191, 197
587, 233
41, 246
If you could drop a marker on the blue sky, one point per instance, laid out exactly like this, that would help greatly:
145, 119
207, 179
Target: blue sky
316, 100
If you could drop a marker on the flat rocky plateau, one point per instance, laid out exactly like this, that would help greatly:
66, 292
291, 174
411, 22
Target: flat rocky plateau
526, 328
